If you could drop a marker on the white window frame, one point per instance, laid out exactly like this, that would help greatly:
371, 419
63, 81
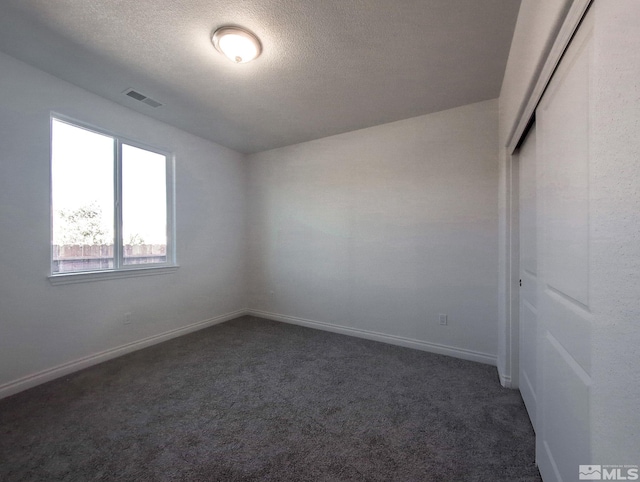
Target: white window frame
119, 270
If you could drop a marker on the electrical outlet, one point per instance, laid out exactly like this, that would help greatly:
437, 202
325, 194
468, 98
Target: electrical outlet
126, 319
443, 319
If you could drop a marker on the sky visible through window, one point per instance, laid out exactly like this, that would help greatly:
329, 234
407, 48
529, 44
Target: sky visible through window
144, 196
83, 179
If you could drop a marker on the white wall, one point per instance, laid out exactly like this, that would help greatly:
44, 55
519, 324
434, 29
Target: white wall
381, 229
537, 25
43, 326
615, 233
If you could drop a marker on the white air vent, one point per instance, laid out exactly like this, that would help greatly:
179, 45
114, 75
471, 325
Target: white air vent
142, 98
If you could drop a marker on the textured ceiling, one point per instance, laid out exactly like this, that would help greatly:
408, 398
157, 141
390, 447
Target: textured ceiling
327, 67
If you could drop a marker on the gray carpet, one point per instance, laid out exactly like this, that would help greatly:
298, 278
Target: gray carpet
259, 400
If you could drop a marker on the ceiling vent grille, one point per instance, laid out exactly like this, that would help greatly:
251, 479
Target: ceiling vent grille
141, 98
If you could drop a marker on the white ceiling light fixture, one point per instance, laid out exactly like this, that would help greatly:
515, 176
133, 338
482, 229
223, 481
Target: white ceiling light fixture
237, 44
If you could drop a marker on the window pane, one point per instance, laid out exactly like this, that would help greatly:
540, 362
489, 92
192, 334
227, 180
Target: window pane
82, 199
144, 206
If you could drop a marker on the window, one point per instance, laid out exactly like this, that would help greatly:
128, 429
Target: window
110, 202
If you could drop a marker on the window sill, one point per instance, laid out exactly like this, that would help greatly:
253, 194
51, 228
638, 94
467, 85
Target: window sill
88, 276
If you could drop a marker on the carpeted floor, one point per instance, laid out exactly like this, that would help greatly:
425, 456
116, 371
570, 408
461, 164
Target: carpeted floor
259, 400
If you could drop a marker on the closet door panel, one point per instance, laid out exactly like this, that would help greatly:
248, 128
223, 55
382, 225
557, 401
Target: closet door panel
564, 365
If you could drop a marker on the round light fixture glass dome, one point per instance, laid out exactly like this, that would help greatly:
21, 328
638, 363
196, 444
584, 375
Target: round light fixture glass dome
237, 44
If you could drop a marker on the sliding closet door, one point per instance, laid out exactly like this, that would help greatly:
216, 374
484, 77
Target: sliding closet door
562, 120
528, 274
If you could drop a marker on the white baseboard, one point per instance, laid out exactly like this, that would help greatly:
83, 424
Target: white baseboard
49, 374
382, 337
505, 380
